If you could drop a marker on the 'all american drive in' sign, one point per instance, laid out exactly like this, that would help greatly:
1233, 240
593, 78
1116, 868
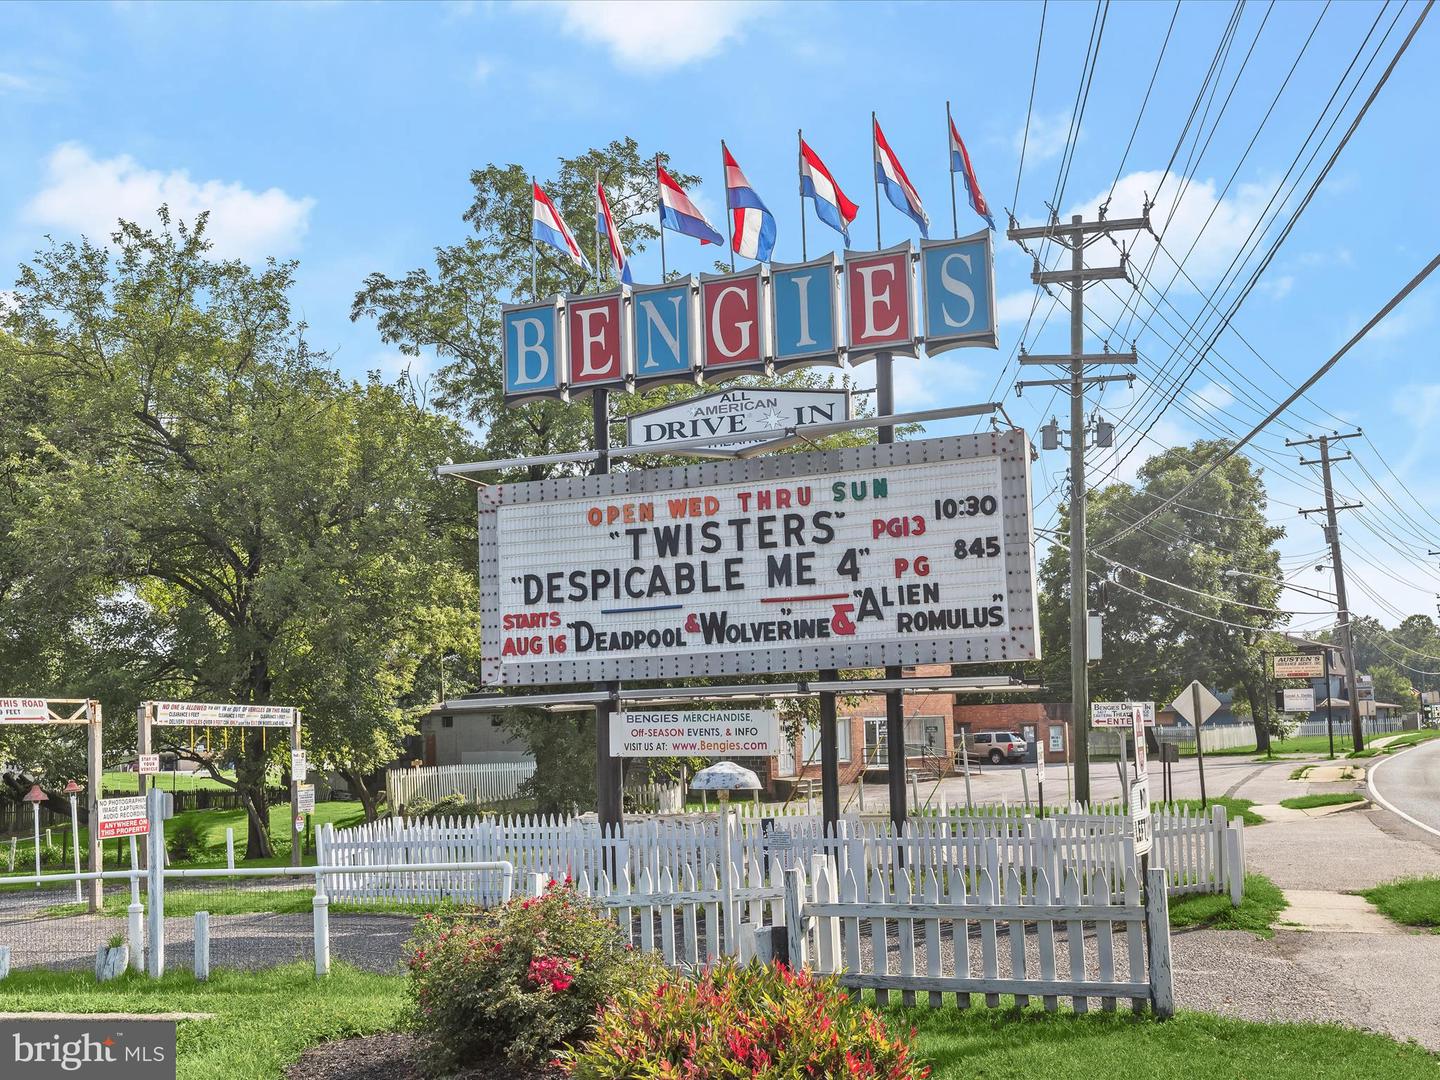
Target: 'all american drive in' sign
764, 319
906, 553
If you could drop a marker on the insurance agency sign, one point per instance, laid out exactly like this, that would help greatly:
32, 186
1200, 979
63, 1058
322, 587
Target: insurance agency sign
763, 320
905, 553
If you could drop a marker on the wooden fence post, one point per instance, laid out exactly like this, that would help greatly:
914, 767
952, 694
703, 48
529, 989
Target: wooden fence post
1157, 929
202, 946
1235, 861
795, 897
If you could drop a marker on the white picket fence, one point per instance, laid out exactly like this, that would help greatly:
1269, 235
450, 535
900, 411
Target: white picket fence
476, 783
1203, 852
935, 934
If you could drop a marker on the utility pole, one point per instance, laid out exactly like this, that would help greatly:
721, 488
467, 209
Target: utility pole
1076, 236
1332, 536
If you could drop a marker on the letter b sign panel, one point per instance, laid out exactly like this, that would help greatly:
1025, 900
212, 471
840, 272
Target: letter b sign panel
534, 351
959, 293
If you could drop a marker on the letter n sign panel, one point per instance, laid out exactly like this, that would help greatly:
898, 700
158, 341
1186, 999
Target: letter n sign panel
533, 350
599, 347
879, 302
734, 328
959, 296
807, 313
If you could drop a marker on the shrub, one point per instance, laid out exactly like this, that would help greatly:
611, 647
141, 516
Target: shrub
185, 840
452, 805
520, 981
733, 1021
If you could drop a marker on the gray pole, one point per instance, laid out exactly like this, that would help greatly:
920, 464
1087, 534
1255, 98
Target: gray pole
1079, 625
1329, 701
729, 215
954, 212
1199, 742
800, 182
660, 211
1347, 642
608, 780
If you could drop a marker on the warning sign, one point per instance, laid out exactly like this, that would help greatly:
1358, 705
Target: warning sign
123, 817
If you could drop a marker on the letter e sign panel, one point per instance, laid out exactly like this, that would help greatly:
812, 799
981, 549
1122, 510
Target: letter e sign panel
599, 346
734, 334
880, 303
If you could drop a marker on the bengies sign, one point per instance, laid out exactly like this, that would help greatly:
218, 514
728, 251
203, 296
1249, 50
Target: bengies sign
761, 320
708, 733
913, 552
736, 412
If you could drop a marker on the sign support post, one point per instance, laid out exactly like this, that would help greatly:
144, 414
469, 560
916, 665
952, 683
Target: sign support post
609, 770
1199, 740
96, 779
830, 762
894, 699
296, 819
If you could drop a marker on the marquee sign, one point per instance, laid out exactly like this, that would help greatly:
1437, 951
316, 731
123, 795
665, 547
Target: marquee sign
764, 319
200, 714
736, 412
905, 553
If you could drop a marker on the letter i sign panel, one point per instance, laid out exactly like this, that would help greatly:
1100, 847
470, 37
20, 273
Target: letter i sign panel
599, 353
880, 303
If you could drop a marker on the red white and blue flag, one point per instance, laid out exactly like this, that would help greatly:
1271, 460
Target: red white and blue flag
549, 227
960, 162
605, 226
679, 214
816, 184
752, 226
898, 189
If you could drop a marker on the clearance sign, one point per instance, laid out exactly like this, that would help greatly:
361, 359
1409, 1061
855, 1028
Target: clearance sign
913, 552
763, 320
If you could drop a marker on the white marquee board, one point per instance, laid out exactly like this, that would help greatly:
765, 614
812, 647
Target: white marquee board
696, 733
201, 714
908, 553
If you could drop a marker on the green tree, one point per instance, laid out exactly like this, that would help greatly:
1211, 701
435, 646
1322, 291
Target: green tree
273, 526
1393, 687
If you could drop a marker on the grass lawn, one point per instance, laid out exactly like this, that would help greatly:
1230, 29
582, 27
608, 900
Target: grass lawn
1234, 808
992, 1044
1257, 912
1410, 738
1412, 901
127, 783
1310, 802
262, 1020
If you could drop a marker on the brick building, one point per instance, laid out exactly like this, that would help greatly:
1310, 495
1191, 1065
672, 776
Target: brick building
1044, 723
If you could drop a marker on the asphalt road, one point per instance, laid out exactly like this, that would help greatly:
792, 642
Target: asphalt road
1408, 784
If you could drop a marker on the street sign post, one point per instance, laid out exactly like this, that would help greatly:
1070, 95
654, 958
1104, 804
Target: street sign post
1197, 705
1040, 776
1140, 790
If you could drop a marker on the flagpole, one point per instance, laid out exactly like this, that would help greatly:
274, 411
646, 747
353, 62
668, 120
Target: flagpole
729, 216
534, 289
800, 179
874, 161
949, 154
660, 209
599, 216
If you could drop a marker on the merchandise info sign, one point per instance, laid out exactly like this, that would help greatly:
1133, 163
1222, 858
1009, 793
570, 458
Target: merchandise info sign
712, 733
913, 552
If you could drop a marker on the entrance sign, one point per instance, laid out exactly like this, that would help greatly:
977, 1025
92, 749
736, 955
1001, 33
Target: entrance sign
123, 817
708, 733
21, 710
1116, 714
1299, 701
906, 553
1299, 667
1140, 787
1185, 704
147, 764
736, 412
758, 320
200, 714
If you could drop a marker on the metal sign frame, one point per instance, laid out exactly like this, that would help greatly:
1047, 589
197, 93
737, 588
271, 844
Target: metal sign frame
1019, 642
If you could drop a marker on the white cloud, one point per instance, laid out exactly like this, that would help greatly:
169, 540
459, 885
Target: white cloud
483, 69
396, 365
1046, 138
10, 83
1213, 397
1014, 308
929, 383
654, 37
85, 194
1279, 288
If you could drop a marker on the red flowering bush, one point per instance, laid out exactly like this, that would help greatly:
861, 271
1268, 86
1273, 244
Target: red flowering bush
734, 1022
517, 982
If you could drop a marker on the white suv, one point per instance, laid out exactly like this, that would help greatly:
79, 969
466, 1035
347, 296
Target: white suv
998, 746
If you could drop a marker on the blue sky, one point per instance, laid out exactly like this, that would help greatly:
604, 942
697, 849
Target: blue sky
342, 134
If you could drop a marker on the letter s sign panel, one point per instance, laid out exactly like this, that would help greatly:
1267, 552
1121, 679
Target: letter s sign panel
959, 293
534, 352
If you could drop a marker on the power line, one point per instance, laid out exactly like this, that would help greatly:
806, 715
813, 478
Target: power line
1029, 109
1143, 103
1202, 593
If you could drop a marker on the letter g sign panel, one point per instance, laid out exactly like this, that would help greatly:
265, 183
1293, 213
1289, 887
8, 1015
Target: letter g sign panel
533, 350
736, 328
959, 294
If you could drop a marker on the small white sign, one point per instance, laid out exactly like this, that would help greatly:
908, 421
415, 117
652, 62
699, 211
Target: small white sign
21, 710
1185, 703
1299, 667
1040, 765
305, 799
203, 714
1298, 701
779, 839
737, 412
298, 764
123, 817
1137, 729
1116, 714
1140, 815
148, 764
707, 733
